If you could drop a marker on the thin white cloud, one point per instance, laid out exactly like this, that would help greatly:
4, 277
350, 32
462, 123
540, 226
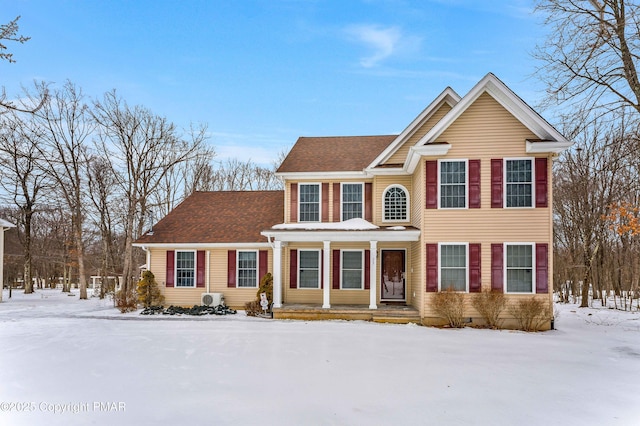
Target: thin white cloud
383, 41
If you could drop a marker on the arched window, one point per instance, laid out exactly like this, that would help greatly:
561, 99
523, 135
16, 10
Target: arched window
395, 204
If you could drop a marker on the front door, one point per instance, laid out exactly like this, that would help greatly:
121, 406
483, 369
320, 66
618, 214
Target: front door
393, 272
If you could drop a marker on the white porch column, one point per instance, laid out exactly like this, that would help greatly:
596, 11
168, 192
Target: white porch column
277, 274
373, 272
326, 282
1, 261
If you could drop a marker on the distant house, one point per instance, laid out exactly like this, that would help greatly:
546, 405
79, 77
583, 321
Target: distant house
460, 199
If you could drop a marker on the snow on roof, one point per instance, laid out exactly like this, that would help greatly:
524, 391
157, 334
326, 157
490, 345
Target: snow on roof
5, 224
347, 225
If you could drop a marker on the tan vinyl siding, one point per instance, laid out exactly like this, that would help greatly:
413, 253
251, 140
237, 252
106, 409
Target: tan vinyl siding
381, 183
416, 272
217, 275
400, 155
484, 131
287, 202
431, 318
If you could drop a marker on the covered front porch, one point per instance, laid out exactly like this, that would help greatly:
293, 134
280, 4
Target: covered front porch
328, 240
388, 313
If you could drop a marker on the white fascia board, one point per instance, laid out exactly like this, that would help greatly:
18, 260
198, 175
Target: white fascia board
343, 236
547, 146
6, 224
430, 150
505, 97
387, 171
200, 245
323, 175
448, 96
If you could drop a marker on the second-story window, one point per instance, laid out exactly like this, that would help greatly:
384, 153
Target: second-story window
395, 204
453, 184
309, 202
351, 201
519, 183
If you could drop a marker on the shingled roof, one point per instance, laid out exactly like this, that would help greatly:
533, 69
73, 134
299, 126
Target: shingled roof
219, 217
334, 154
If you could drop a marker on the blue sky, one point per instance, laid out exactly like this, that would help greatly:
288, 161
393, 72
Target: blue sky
261, 73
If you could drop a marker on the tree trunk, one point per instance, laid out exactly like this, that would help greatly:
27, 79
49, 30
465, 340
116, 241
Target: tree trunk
28, 281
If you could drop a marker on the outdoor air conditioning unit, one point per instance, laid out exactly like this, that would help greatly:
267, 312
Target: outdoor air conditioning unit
212, 299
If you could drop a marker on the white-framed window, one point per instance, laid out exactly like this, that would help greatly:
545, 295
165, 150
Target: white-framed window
454, 266
185, 268
308, 268
352, 200
352, 269
519, 267
395, 201
519, 179
309, 197
247, 265
453, 184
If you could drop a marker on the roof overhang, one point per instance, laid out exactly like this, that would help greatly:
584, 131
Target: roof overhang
6, 224
539, 147
448, 96
430, 150
185, 246
385, 235
324, 175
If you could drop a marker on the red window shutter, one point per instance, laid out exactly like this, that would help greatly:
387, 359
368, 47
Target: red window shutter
496, 183
474, 184
367, 268
231, 268
475, 284
293, 268
497, 279
368, 202
336, 269
325, 202
293, 193
336, 202
432, 184
541, 182
171, 256
542, 268
263, 263
200, 268
432, 267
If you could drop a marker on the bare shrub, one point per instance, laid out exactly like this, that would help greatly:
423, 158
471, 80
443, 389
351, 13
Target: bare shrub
253, 308
449, 305
126, 301
531, 313
490, 305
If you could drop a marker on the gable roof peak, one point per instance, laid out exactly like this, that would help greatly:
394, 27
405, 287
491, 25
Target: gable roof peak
508, 99
448, 96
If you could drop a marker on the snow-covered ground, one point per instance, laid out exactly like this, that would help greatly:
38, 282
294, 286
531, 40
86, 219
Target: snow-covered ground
64, 361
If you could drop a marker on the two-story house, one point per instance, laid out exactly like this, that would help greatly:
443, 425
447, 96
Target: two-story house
370, 227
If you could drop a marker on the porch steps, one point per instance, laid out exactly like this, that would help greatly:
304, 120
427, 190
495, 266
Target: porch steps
397, 314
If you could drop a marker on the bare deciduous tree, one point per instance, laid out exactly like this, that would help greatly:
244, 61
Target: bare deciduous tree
590, 58
141, 148
9, 32
22, 180
586, 182
102, 187
66, 126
